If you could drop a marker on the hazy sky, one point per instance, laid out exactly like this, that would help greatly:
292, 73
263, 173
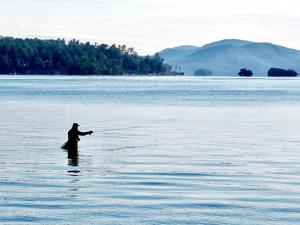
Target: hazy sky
152, 25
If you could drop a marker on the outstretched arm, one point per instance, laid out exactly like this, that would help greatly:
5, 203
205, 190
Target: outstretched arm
85, 133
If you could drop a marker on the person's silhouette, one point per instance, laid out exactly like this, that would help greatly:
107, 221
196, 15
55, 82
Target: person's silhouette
73, 137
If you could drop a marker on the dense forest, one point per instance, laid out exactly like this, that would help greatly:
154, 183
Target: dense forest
35, 56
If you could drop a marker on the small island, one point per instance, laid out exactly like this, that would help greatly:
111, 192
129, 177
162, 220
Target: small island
278, 72
245, 73
203, 72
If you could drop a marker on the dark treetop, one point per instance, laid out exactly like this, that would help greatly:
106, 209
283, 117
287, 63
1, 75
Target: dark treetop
35, 56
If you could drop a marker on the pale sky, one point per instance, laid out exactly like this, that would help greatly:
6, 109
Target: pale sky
152, 25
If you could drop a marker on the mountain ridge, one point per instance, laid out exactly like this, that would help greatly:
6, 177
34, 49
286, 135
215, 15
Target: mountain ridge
228, 56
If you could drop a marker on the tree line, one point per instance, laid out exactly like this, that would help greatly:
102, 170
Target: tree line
36, 56
278, 72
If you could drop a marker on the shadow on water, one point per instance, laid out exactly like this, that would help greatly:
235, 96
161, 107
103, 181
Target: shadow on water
73, 160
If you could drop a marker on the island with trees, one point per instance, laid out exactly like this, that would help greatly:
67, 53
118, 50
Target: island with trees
46, 57
203, 72
245, 73
278, 72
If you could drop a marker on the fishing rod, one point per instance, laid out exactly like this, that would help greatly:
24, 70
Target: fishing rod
119, 129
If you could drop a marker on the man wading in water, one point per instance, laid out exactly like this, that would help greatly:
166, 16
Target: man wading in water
73, 138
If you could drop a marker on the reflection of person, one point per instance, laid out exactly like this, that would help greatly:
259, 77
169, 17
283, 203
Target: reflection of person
73, 157
73, 137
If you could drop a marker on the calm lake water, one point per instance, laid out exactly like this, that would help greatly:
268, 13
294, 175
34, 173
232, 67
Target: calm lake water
166, 150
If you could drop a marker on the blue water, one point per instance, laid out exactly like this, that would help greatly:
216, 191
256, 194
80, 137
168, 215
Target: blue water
166, 150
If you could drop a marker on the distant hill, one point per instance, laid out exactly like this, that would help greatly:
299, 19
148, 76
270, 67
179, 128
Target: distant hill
228, 56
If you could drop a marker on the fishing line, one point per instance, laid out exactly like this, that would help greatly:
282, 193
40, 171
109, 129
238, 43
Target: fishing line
119, 129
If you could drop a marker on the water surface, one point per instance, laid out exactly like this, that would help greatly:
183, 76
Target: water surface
166, 150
